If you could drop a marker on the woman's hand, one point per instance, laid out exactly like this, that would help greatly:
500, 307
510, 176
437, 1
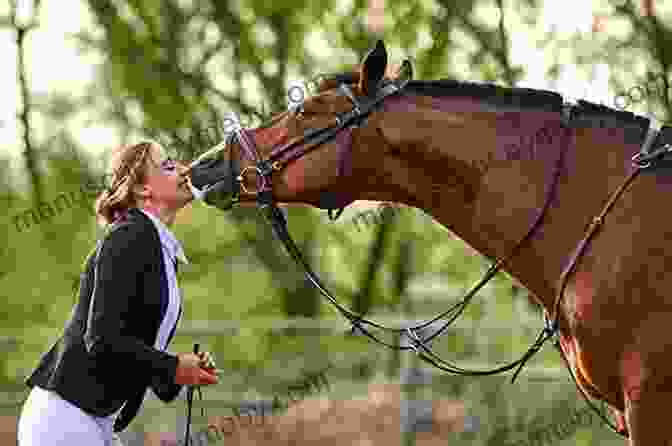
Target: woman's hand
207, 360
190, 371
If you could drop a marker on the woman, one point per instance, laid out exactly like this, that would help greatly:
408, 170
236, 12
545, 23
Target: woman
91, 383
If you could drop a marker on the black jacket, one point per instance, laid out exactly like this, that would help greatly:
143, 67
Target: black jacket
105, 356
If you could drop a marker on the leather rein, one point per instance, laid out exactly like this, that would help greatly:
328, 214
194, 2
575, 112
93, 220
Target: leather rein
362, 108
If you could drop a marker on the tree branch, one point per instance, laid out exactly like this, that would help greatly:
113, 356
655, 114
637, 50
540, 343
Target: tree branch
503, 53
25, 113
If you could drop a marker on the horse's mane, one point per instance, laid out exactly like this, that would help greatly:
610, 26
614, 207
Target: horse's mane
506, 97
494, 94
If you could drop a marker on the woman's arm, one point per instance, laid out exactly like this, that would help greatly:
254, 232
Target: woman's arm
121, 263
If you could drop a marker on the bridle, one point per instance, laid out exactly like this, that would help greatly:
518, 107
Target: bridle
362, 108
312, 139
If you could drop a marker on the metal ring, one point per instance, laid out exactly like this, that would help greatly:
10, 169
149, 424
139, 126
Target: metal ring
241, 178
413, 337
636, 161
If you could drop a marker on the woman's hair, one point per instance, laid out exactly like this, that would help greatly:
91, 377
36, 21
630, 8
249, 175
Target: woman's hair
128, 165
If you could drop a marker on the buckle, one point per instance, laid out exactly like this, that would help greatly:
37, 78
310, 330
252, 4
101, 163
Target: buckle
643, 159
550, 326
265, 167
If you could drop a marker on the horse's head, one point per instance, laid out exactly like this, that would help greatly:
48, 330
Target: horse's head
309, 150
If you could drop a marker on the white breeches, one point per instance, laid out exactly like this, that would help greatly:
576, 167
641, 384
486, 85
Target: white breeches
49, 420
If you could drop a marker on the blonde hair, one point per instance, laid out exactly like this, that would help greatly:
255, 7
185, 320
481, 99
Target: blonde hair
129, 166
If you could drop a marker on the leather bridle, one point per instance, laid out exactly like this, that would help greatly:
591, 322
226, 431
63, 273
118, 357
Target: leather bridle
362, 108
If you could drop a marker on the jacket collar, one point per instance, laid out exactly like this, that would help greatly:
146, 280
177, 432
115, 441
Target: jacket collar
168, 239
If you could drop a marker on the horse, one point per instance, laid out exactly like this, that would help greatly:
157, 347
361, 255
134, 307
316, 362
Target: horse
550, 187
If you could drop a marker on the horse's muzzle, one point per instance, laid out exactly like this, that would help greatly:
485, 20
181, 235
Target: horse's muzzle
213, 179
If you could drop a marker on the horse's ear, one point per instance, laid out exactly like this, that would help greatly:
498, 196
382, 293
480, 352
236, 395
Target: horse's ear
373, 69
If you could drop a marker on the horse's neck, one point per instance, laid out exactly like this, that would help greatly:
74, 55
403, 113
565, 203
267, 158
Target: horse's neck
486, 177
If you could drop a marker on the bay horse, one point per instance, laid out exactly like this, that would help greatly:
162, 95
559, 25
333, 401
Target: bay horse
505, 169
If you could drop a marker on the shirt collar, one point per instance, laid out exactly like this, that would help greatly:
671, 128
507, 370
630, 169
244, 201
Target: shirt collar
168, 239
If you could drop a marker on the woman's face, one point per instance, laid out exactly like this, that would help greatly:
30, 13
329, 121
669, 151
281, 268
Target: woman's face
165, 181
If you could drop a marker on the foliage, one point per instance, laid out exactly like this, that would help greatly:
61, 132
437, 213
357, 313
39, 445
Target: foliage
172, 68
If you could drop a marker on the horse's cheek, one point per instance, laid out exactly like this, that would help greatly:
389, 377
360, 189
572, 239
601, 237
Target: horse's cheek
295, 176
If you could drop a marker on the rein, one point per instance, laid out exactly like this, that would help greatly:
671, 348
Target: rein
362, 108
314, 138
190, 402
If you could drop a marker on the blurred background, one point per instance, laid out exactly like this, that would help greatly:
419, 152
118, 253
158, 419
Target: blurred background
80, 77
